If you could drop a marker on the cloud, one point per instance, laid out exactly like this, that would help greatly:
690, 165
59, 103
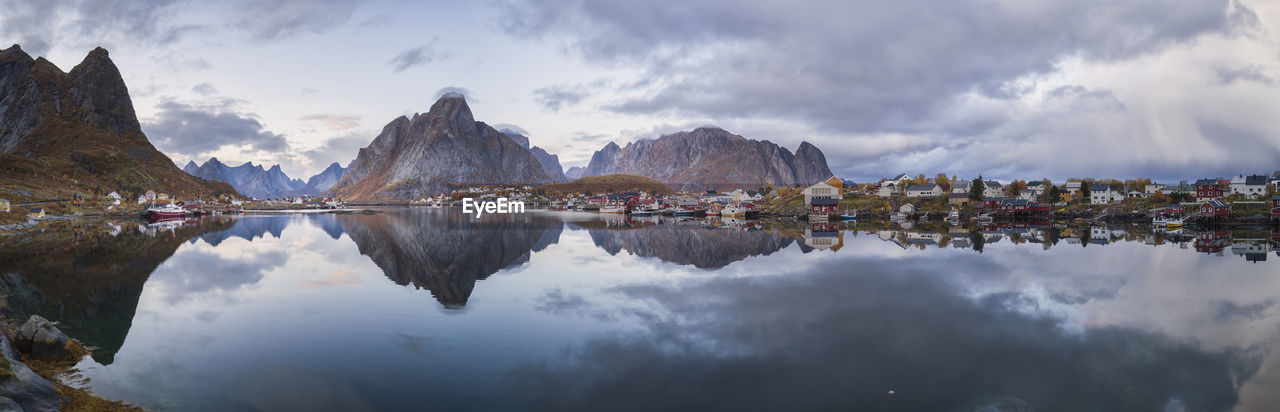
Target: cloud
459, 90
275, 20
334, 122
554, 98
341, 149
204, 89
418, 56
200, 273
511, 127
935, 85
188, 129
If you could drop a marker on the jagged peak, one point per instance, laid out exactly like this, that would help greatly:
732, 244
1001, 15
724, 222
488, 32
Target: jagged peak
453, 107
97, 58
14, 53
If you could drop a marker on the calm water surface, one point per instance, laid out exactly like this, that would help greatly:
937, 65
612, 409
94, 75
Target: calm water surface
414, 309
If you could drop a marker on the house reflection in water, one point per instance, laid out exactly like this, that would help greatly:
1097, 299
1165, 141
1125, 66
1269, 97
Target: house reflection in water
824, 236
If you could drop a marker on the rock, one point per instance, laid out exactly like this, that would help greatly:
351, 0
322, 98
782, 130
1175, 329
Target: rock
9, 405
27, 389
40, 338
708, 157
437, 152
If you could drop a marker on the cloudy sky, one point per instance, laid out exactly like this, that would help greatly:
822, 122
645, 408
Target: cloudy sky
1005, 88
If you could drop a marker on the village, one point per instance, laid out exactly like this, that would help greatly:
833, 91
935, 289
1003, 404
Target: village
1242, 199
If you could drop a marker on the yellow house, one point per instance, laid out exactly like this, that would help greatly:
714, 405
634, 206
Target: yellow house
36, 213
4, 205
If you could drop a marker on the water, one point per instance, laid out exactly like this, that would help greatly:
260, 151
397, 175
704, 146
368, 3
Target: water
415, 309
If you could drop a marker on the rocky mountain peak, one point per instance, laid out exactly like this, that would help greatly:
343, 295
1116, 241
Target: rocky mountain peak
452, 110
98, 88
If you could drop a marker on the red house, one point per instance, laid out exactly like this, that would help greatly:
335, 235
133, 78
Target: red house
991, 203
1275, 206
1215, 207
1014, 205
1208, 189
823, 206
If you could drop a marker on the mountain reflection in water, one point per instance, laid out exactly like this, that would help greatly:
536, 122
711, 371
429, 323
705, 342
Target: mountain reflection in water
546, 311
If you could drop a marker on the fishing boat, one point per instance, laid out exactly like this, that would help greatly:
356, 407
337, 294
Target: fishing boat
953, 217
1168, 221
642, 212
166, 212
685, 212
734, 211
615, 209
849, 215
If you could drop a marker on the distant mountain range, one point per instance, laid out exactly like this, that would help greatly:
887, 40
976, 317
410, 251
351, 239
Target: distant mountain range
550, 163
256, 181
710, 157
436, 152
66, 134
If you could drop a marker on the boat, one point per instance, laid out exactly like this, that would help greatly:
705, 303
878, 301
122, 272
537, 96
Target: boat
734, 211
953, 217
641, 212
848, 217
683, 212
1168, 221
615, 209
166, 212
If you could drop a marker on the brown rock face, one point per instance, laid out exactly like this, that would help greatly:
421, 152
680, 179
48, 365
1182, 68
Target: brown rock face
436, 152
77, 131
711, 158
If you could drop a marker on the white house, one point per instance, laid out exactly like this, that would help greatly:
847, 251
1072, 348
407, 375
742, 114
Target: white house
884, 191
924, 191
821, 190
1072, 187
1028, 195
907, 208
113, 195
992, 189
1105, 194
897, 182
1037, 188
961, 186
150, 195
1250, 186
1154, 188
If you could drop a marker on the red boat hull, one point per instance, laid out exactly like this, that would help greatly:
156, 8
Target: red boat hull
155, 216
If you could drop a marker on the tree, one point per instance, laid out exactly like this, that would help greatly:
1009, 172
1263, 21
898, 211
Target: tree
976, 189
1053, 195
1016, 186
1084, 190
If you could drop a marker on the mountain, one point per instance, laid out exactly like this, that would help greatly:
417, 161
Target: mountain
64, 134
324, 180
710, 157
437, 152
249, 179
575, 172
550, 163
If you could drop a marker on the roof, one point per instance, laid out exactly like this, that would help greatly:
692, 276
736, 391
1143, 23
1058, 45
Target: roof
958, 195
1207, 182
992, 183
900, 176
37, 209
1036, 184
1275, 197
1217, 203
823, 201
1016, 202
1103, 188
921, 187
1255, 180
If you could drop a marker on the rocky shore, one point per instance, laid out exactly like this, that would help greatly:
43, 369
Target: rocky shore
34, 353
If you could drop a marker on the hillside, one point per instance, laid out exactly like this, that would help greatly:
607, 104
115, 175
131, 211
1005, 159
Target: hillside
68, 134
608, 183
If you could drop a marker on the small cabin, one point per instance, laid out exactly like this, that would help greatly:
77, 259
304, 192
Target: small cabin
36, 213
1215, 207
